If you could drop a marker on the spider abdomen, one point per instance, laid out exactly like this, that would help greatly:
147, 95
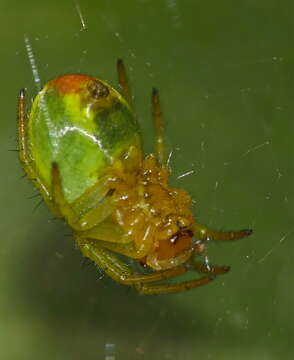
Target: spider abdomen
82, 124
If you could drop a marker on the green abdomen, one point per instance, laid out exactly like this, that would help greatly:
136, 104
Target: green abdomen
81, 129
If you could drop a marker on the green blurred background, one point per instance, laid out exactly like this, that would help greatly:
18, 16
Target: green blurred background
225, 73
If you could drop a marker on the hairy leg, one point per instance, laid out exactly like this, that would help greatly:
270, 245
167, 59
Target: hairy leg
24, 152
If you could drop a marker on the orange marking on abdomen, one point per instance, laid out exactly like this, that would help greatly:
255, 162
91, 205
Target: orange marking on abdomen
73, 83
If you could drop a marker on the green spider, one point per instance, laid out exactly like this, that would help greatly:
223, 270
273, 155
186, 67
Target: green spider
82, 148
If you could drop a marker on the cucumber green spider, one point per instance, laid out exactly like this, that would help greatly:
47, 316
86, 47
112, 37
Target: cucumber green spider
82, 148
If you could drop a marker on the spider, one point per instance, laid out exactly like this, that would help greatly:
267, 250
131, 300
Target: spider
82, 147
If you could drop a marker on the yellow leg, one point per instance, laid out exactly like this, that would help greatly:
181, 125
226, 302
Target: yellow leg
93, 197
126, 249
182, 286
123, 81
59, 199
159, 128
204, 233
24, 153
107, 231
120, 272
211, 269
80, 218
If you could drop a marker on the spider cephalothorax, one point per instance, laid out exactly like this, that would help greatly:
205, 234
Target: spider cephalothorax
157, 217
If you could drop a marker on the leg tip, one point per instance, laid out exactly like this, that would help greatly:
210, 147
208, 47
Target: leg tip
219, 270
154, 91
54, 166
22, 93
212, 277
247, 232
226, 269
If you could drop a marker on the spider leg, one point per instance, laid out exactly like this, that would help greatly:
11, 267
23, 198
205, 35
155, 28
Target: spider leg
58, 195
211, 269
204, 233
173, 288
112, 238
85, 212
94, 206
107, 231
115, 268
127, 249
24, 153
120, 272
123, 81
159, 128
